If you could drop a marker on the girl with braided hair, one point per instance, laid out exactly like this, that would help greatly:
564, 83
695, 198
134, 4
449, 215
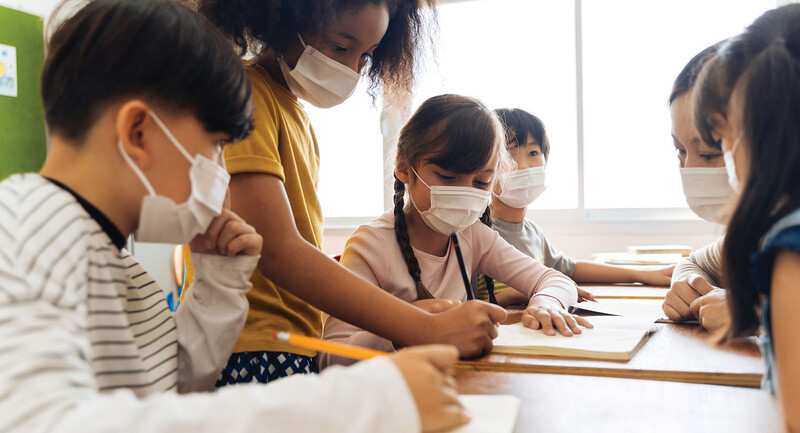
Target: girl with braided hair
449, 156
315, 51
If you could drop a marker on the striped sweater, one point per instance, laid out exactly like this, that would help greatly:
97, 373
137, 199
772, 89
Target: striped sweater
86, 334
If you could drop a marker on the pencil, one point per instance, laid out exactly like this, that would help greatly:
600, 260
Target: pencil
345, 350
464, 276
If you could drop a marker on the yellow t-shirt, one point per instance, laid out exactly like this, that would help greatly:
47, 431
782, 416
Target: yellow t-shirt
282, 144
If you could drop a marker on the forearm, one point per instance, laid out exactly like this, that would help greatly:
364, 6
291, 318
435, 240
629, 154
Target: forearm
589, 272
687, 267
211, 317
341, 293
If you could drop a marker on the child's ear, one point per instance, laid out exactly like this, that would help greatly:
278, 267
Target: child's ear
132, 118
402, 169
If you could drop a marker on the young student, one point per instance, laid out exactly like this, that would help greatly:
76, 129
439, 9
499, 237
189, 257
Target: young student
695, 291
316, 51
529, 146
87, 341
449, 154
747, 102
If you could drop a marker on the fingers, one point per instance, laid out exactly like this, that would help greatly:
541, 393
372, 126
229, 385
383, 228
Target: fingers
249, 244
546, 321
583, 322
496, 313
695, 307
671, 313
529, 321
700, 284
216, 226
441, 356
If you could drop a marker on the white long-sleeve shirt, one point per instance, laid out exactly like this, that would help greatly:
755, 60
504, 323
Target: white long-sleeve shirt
87, 342
373, 253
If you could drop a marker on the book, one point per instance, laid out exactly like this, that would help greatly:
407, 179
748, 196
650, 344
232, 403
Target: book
683, 250
490, 413
646, 308
631, 259
615, 338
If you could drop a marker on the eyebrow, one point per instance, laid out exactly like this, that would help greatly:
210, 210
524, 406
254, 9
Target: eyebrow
676, 139
352, 38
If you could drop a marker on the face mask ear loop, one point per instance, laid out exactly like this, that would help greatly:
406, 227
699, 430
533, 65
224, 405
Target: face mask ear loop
171, 137
420, 179
136, 169
302, 41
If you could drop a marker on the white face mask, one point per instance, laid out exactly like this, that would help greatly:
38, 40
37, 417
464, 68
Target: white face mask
318, 79
730, 165
163, 221
453, 208
522, 187
707, 192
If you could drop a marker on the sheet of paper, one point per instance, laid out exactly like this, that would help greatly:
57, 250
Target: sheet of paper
647, 308
657, 260
613, 337
8, 70
490, 413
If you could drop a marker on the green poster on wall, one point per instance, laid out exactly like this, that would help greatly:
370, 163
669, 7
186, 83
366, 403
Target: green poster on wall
23, 144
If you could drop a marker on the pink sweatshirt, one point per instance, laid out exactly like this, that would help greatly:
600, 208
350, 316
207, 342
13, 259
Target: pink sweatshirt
374, 254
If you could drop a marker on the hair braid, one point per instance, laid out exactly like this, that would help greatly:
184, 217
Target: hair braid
486, 218
401, 233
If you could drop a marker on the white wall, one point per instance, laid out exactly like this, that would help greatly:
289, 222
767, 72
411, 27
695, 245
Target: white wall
582, 239
43, 8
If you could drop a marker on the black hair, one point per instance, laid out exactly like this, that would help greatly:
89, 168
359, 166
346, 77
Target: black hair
459, 134
157, 50
688, 75
763, 65
254, 25
519, 124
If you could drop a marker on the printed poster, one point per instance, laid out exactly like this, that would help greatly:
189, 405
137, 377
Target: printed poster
8, 70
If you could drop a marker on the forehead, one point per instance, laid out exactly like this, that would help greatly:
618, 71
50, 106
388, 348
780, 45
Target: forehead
366, 24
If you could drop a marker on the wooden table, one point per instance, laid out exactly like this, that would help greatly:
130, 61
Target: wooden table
674, 352
556, 403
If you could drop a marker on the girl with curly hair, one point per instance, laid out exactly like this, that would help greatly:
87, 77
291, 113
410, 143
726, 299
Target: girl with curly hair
317, 51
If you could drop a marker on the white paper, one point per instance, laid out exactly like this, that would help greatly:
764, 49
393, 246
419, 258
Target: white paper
490, 413
8, 70
647, 308
613, 337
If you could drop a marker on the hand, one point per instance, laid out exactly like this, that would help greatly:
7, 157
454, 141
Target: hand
583, 295
228, 235
546, 312
682, 293
712, 311
656, 277
470, 327
428, 373
434, 306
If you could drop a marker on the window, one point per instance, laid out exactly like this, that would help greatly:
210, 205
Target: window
632, 52
351, 154
602, 97
515, 54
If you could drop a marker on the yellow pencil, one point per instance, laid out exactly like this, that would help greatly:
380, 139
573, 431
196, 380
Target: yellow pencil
346, 350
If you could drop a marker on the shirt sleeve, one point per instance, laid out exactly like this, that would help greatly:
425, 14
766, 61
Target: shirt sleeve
504, 262
47, 384
260, 152
555, 258
361, 245
211, 317
706, 262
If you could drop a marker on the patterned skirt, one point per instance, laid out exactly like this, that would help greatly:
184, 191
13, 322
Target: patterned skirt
264, 367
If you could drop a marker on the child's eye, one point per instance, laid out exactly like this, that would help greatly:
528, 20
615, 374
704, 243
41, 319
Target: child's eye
710, 157
481, 184
445, 177
680, 152
340, 49
533, 153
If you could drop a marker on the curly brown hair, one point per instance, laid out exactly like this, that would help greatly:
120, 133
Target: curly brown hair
255, 25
